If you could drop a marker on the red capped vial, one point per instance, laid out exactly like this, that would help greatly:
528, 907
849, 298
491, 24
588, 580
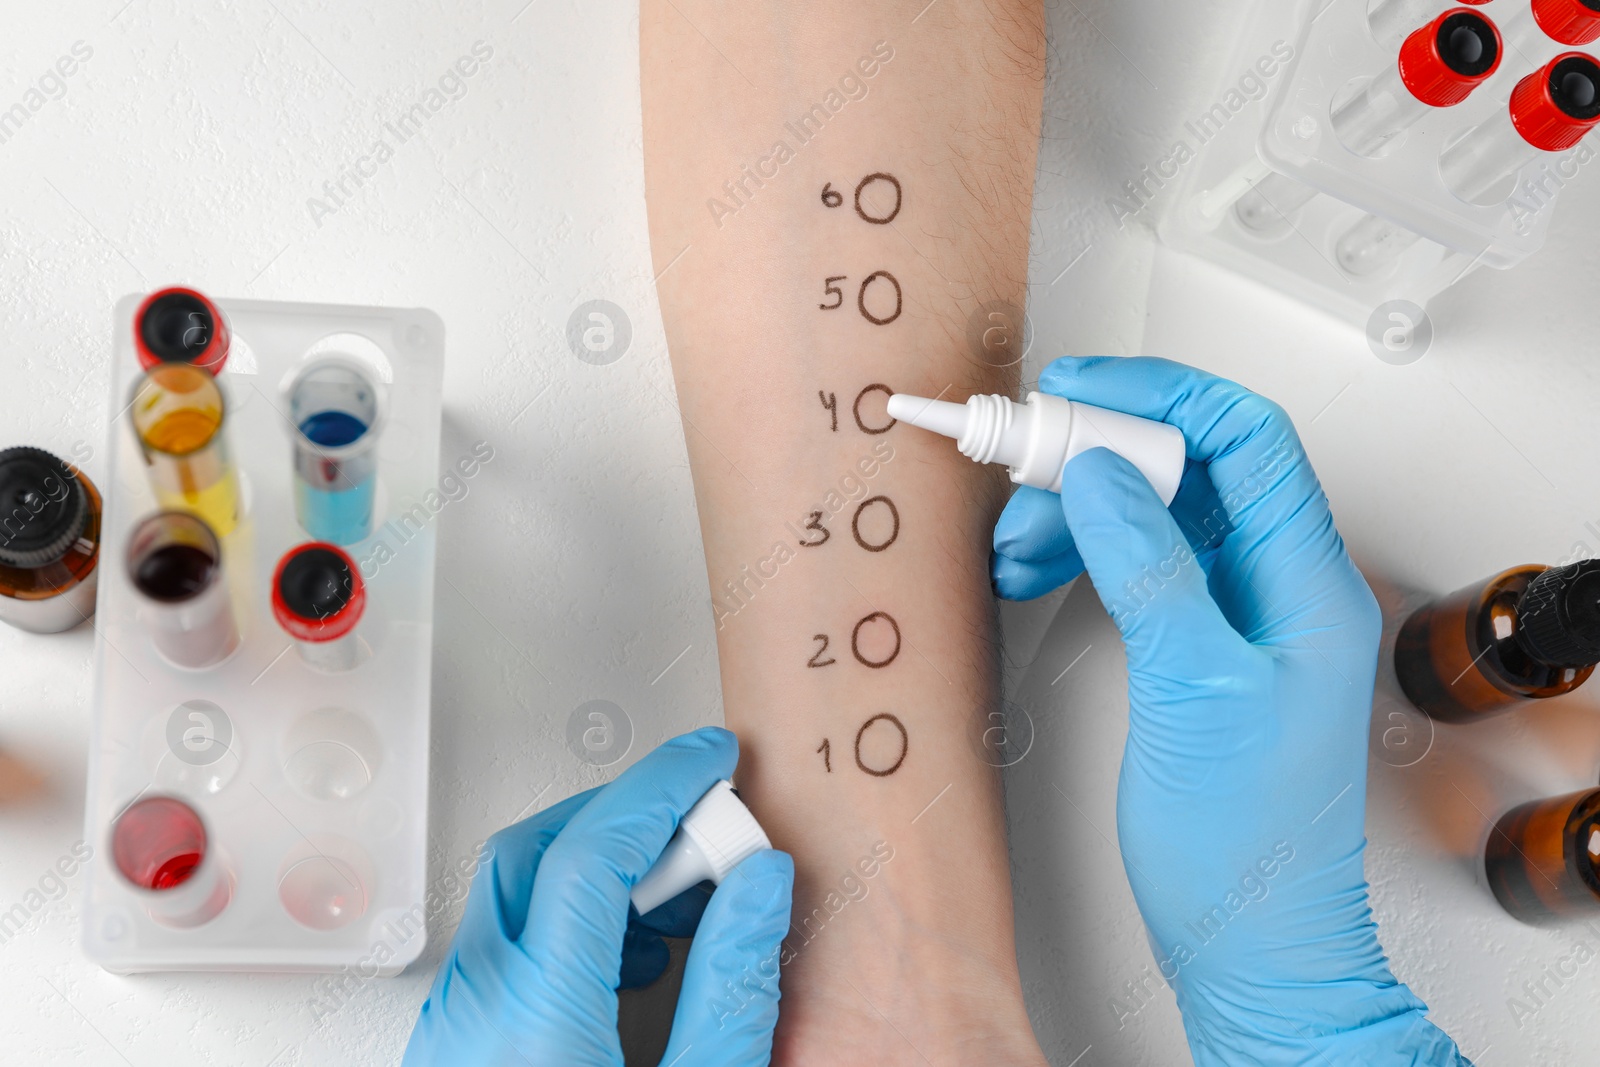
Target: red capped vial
1568, 22
318, 598
179, 325
1392, 20
1550, 111
1439, 66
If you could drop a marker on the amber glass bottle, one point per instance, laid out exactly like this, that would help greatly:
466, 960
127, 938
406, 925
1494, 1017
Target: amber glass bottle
1543, 858
49, 541
1528, 633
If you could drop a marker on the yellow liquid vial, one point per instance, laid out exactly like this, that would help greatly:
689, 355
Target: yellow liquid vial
183, 431
217, 503
193, 472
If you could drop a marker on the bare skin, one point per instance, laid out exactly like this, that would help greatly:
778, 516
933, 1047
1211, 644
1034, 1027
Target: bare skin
848, 562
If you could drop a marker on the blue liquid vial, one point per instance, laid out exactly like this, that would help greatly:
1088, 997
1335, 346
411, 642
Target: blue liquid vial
334, 405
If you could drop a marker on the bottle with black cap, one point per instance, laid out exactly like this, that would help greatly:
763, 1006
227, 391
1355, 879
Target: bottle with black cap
49, 541
1527, 634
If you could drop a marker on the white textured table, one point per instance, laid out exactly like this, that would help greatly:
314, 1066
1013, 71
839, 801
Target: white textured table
208, 143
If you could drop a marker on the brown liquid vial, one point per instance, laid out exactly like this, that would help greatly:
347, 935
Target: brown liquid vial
49, 541
1526, 634
1543, 858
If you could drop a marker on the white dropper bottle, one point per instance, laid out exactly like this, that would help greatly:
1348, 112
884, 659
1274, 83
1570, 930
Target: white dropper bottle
1037, 437
715, 836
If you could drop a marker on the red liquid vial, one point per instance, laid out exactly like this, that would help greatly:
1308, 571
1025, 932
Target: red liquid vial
160, 847
157, 843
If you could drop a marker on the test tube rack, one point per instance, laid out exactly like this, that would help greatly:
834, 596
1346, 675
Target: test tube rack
313, 786
1334, 51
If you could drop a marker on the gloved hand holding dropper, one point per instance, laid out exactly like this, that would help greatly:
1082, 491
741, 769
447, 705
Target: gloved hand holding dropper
548, 936
1252, 644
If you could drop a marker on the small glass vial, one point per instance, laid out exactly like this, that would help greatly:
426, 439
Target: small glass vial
1568, 22
318, 598
160, 847
1545, 115
178, 413
1391, 20
1440, 65
49, 542
180, 325
1527, 634
1550, 111
1543, 858
175, 567
336, 410
1530, 28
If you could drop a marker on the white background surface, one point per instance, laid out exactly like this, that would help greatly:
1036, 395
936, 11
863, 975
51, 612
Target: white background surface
185, 150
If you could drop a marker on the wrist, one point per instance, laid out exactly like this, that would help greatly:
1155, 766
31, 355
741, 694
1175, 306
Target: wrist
938, 1003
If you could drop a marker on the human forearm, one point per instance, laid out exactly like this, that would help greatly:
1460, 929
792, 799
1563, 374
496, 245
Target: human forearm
827, 535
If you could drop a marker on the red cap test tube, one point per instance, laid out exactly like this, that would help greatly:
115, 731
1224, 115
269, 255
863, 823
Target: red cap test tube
179, 325
318, 597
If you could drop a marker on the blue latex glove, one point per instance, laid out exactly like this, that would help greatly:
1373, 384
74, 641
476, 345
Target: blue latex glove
546, 939
1252, 645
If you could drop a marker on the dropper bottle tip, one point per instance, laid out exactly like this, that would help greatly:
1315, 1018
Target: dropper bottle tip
940, 416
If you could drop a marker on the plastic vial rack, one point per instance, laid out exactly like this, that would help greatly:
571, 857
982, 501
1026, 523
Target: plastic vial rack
255, 803
1373, 227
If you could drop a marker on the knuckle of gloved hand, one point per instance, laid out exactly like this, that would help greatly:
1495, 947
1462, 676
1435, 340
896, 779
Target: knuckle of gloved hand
587, 894
1351, 600
1366, 616
1059, 369
1256, 416
705, 739
1260, 421
578, 868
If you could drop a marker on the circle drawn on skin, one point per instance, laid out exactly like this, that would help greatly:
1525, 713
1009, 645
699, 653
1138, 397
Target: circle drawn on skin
855, 409
894, 532
879, 176
855, 640
1399, 332
861, 298
905, 744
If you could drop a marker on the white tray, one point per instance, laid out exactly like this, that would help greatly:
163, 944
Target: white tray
281, 786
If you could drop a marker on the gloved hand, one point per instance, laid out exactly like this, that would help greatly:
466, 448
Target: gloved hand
1252, 644
546, 939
